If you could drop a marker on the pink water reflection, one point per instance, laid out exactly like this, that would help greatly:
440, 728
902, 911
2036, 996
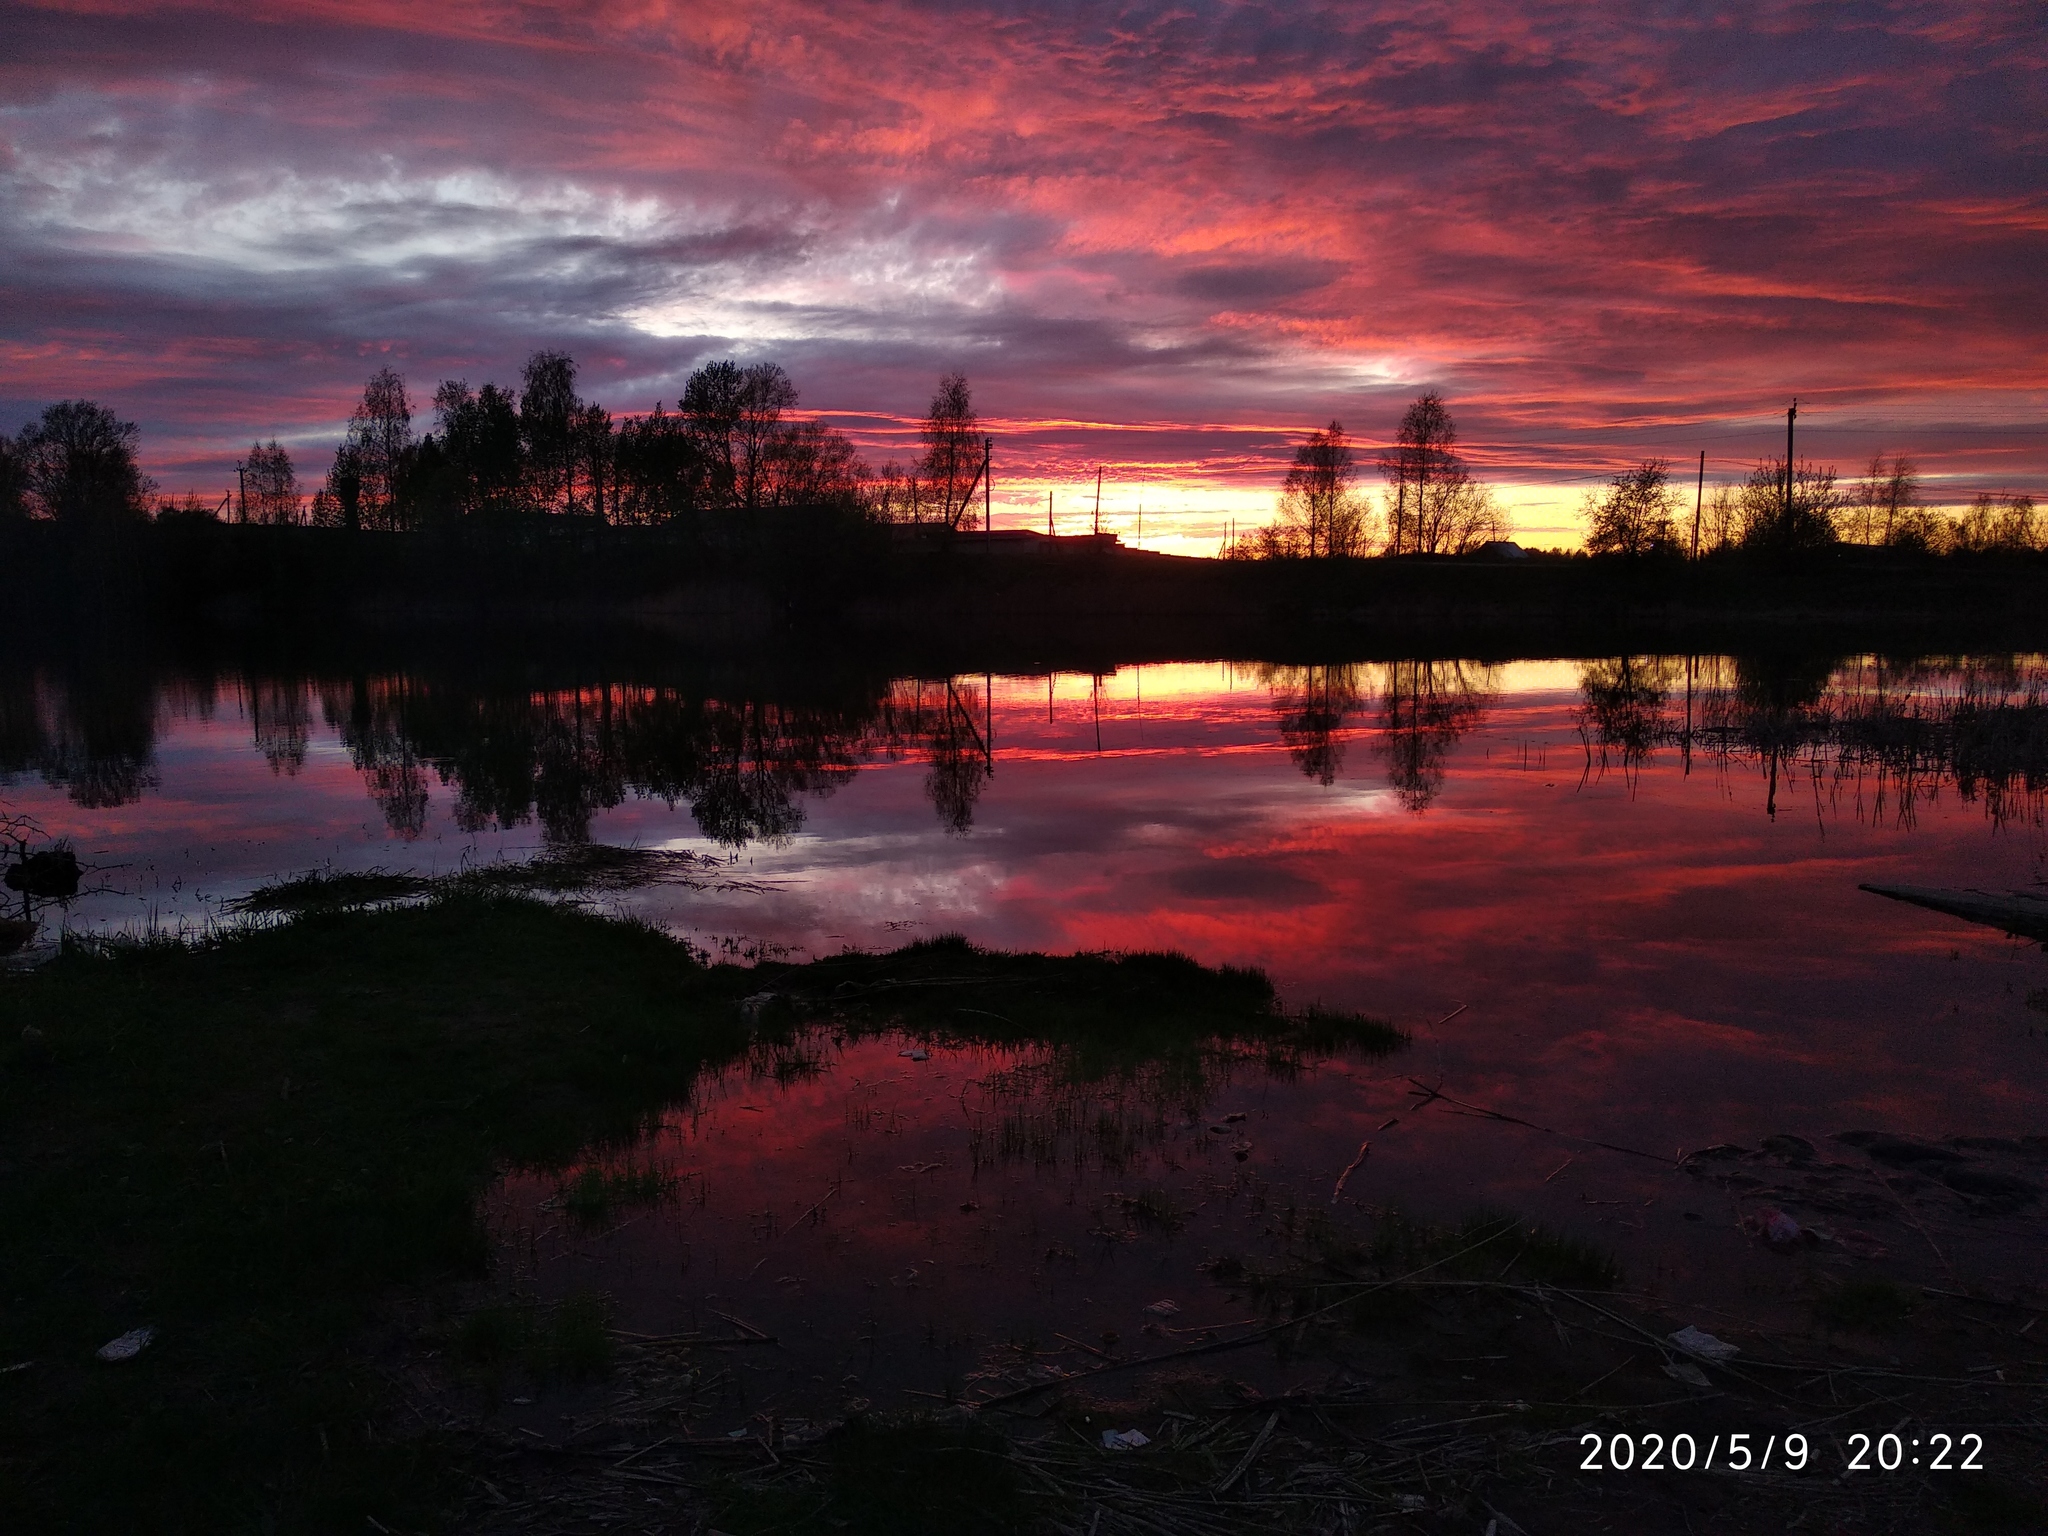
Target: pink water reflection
1645, 955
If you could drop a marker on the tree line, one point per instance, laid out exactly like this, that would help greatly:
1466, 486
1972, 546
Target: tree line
1432, 505
506, 457
1640, 512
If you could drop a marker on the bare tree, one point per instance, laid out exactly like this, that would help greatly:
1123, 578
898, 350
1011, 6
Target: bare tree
270, 489
1434, 506
1635, 516
1320, 513
1884, 507
953, 449
812, 466
1998, 523
895, 495
1424, 453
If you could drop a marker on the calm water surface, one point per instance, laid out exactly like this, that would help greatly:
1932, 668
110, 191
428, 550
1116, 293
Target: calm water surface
1616, 898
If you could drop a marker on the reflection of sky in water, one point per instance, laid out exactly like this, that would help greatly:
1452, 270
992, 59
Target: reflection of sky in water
1645, 952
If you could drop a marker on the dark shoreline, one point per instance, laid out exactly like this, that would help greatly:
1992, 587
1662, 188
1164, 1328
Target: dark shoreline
955, 605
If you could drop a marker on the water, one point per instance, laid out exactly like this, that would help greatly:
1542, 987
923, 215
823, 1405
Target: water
1617, 899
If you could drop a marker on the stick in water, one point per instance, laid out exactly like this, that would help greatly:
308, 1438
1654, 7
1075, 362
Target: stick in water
1350, 1168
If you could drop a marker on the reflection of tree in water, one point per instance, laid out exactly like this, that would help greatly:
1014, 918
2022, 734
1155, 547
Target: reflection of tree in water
760, 758
92, 735
938, 720
1623, 714
1313, 704
561, 756
1425, 708
280, 715
1883, 736
369, 714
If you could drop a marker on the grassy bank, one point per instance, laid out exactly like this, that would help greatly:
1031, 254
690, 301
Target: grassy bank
270, 1150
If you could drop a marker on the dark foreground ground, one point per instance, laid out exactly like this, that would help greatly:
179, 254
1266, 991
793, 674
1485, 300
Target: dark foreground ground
271, 1150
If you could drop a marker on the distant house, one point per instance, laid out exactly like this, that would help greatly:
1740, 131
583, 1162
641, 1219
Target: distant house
1500, 549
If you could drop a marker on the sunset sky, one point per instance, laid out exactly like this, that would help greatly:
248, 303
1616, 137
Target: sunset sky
1167, 238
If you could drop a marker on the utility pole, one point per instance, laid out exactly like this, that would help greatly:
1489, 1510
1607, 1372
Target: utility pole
1048, 514
988, 495
1098, 498
1699, 495
1141, 523
241, 491
1791, 415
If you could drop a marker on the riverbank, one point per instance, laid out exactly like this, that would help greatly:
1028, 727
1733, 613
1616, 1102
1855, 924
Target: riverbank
270, 1151
273, 1152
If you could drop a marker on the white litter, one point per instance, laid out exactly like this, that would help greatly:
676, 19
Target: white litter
916, 1053
1124, 1440
752, 1006
1691, 1375
1163, 1309
1780, 1229
128, 1346
1705, 1345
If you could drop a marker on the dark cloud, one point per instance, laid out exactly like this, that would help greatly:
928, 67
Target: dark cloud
1575, 220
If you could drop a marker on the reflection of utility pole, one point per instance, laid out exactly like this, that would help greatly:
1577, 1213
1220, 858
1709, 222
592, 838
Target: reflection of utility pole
1098, 498
988, 721
1791, 415
1698, 498
1048, 698
1096, 692
1688, 701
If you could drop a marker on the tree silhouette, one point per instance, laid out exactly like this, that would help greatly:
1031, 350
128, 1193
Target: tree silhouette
77, 465
365, 482
1635, 516
481, 441
660, 468
270, 489
1321, 516
13, 482
1434, 506
1773, 524
548, 409
1884, 507
1998, 523
952, 450
765, 393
